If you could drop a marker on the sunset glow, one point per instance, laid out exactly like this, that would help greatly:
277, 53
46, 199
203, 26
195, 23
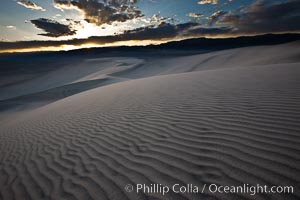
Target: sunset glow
72, 24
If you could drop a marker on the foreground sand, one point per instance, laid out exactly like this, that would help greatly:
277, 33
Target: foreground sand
224, 122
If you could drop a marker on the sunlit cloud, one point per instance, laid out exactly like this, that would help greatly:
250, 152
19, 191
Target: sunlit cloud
156, 19
57, 16
102, 12
202, 2
11, 27
194, 15
31, 5
215, 16
112, 22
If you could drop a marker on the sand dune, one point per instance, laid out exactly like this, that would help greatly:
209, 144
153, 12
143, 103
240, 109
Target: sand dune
124, 68
199, 121
67, 74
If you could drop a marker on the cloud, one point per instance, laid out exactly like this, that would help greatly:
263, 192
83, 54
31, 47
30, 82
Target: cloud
199, 31
53, 28
263, 17
167, 31
258, 18
11, 27
162, 31
202, 2
102, 12
215, 16
195, 15
157, 18
31, 5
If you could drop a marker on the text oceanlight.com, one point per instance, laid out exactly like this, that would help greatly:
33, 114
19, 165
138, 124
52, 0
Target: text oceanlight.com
211, 188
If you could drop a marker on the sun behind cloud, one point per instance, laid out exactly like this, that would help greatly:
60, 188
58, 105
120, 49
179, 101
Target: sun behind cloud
73, 23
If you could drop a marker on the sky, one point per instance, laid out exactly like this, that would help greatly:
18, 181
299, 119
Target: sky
27, 25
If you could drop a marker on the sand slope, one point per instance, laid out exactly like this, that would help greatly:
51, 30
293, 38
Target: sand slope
227, 126
119, 69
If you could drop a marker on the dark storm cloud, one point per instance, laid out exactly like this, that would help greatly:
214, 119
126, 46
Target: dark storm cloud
30, 5
53, 28
261, 17
102, 12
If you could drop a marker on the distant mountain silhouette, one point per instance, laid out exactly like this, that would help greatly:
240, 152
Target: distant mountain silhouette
195, 45
226, 43
204, 44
